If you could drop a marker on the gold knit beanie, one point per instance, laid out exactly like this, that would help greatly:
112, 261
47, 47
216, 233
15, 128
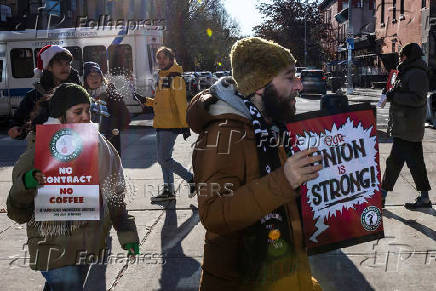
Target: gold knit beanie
256, 61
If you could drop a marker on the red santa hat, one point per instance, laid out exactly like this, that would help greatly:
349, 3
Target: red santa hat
45, 55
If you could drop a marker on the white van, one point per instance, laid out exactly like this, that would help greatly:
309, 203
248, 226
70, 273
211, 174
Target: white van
127, 60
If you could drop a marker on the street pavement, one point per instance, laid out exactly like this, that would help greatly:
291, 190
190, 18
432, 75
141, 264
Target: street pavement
172, 236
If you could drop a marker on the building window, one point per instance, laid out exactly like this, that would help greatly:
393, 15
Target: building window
35, 55
120, 60
358, 3
96, 53
382, 12
393, 47
372, 5
22, 63
401, 7
152, 50
424, 3
53, 7
344, 4
77, 62
394, 10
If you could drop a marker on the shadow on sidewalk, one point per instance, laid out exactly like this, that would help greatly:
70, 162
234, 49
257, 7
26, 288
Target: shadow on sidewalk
138, 147
179, 271
413, 224
335, 271
429, 211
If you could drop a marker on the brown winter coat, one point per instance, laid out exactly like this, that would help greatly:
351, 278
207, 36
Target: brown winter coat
225, 157
46, 253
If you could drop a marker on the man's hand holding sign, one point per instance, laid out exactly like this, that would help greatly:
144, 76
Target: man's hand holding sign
299, 168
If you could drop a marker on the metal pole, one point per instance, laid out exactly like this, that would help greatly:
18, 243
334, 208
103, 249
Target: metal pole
350, 52
305, 42
305, 35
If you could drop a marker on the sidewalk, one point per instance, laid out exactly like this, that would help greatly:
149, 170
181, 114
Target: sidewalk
364, 95
172, 236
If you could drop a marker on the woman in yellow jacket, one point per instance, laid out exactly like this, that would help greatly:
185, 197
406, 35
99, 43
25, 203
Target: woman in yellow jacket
169, 106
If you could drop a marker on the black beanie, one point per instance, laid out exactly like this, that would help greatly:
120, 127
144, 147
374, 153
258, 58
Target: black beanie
66, 96
412, 51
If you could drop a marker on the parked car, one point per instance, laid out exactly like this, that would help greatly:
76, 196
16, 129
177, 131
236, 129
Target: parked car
298, 71
191, 82
220, 74
314, 82
205, 79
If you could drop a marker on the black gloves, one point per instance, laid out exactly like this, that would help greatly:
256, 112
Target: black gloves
186, 133
390, 94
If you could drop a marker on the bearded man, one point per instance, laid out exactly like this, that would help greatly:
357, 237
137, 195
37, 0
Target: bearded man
247, 181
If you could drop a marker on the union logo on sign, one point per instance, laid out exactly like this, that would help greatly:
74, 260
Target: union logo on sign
371, 218
66, 145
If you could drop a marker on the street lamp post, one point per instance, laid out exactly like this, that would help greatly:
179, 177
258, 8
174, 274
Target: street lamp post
305, 34
350, 51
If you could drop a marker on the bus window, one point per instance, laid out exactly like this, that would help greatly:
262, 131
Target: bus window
96, 53
35, 54
1, 71
77, 62
22, 63
120, 60
152, 50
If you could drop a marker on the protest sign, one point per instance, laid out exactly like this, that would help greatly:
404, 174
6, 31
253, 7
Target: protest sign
391, 79
67, 154
341, 207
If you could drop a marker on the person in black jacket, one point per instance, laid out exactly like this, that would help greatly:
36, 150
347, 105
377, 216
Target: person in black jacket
53, 68
118, 116
406, 124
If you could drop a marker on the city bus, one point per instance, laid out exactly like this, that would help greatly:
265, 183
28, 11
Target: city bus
126, 59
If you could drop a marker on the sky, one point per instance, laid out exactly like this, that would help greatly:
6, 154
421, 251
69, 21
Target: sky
245, 13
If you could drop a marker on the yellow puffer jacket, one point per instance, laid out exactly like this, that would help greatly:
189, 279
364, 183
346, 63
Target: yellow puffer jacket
169, 103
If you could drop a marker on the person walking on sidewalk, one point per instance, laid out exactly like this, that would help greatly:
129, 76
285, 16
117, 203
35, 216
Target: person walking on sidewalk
67, 272
406, 124
169, 106
247, 187
100, 89
53, 67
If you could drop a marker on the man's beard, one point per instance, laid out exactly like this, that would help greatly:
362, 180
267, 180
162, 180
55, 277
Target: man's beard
277, 108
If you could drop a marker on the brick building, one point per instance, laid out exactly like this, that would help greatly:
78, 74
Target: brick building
400, 22
403, 21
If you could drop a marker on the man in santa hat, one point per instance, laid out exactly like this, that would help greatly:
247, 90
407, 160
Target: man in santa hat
53, 67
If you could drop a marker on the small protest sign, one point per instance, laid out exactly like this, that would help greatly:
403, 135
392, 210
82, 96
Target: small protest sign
391, 79
341, 207
67, 155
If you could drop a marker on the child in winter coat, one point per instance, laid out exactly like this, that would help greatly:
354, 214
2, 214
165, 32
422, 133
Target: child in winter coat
55, 246
53, 68
118, 117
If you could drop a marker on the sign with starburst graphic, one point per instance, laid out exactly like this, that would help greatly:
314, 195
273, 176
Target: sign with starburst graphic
342, 206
